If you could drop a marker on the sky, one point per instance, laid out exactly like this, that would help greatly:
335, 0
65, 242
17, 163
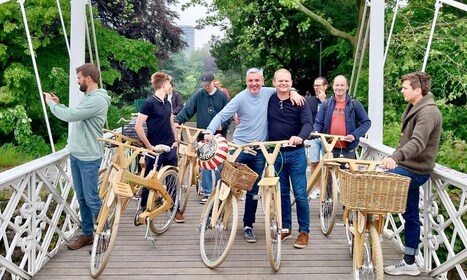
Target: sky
189, 17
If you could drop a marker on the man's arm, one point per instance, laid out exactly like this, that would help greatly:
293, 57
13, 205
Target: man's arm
188, 111
84, 110
140, 120
362, 118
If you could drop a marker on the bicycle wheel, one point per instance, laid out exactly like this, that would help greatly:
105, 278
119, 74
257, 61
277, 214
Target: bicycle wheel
372, 266
328, 204
186, 180
216, 240
273, 235
377, 252
161, 223
348, 232
104, 241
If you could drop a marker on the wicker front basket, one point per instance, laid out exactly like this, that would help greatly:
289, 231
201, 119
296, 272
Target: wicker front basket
238, 175
374, 191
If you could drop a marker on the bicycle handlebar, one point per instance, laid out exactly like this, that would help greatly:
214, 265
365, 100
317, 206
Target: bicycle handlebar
120, 137
160, 148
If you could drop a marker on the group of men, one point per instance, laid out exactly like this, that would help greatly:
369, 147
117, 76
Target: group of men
263, 113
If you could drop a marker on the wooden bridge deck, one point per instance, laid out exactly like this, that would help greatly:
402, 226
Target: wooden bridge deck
176, 255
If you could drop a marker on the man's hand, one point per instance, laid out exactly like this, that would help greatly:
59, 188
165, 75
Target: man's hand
51, 97
208, 137
349, 138
389, 163
297, 99
321, 95
236, 119
295, 140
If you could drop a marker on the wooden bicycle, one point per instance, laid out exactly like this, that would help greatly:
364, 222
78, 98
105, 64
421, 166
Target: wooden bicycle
326, 174
219, 218
119, 185
368, 197
187, 164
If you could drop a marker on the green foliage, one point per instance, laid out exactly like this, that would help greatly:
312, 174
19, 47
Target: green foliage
11, 156
453, 152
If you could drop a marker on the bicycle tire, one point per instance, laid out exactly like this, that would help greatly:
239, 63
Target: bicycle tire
366, 271
215, 241
348, 233
273, 234
328, 207
161, 223
377, 252
103, 242
186, 173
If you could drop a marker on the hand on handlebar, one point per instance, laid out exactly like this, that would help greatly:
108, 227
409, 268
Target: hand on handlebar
208, 136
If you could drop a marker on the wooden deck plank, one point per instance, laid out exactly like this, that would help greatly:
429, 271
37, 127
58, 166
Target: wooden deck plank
176, 255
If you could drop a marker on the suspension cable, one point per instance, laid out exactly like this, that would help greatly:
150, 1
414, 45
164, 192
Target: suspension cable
438, 5
358, 44
91, 16
390, 32
36, 72
362, 56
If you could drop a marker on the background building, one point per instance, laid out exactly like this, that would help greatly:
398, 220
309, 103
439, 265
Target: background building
188, 36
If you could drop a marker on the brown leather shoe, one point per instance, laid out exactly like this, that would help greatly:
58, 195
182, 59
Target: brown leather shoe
302, 240
287, 235
81, 241
179, 217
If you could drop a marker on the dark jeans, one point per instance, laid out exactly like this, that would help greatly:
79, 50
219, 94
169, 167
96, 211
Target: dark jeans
169, 158
412, 215
291, 166
256, 163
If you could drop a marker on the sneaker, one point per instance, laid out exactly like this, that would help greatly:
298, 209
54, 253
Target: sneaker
249, 235
204, 199
286, 235
179, 217
402, 268
302, 240
81, 241
314, 194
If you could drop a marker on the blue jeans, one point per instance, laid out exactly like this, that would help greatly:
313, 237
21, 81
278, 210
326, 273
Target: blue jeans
256, 163
206, 179
85, 178
412, 215
291, 165
169, 158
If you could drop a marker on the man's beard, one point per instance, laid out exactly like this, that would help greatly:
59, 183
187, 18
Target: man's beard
83, 87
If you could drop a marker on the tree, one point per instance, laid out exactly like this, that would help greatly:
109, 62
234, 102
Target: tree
21, 116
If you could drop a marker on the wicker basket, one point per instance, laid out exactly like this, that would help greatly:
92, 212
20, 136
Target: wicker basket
374, 191
238, 175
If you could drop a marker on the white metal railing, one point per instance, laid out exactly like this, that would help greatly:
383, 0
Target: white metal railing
42, 213
443, 206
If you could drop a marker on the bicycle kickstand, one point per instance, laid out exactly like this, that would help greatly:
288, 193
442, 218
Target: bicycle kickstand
149, 235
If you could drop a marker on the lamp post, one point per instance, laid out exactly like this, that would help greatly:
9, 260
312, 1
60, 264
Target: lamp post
320, 40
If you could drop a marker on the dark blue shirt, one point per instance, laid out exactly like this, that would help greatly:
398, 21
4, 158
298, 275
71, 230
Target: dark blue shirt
286, 120
158, 121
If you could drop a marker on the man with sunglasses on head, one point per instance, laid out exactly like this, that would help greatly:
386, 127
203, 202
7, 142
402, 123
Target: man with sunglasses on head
250, 105
415, 158
206, 103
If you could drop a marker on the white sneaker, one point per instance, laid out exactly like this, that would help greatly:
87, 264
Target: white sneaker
314, 194
402, 268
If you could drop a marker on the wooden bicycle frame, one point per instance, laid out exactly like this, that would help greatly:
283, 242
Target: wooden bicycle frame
124, 183
188, 154
361, 218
